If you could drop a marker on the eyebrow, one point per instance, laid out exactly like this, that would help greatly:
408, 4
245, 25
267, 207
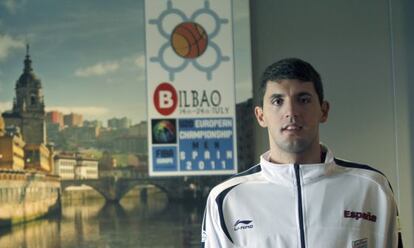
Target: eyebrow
303, 93
276, 96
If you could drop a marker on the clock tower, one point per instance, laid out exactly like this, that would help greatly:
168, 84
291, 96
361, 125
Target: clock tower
28, 111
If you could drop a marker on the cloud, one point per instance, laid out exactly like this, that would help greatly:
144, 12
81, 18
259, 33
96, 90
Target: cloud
13, 5
90, 111
140, 61
8, 43
134, 61
98, 69
5, 106
103, 68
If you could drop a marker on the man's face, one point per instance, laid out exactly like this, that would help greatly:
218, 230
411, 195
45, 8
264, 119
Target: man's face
291, 111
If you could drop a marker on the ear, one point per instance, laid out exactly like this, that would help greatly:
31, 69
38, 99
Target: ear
258, 111
325, 111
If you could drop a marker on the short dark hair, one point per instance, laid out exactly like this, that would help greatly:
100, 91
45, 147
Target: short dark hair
291, 68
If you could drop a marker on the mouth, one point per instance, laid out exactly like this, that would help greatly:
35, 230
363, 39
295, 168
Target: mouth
291, 128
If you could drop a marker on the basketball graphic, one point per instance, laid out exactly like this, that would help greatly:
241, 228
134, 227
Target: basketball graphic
189, 40
164, 131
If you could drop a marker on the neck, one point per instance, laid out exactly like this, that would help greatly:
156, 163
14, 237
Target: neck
310, 156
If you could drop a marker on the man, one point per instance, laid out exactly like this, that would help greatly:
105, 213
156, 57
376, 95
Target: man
300, 195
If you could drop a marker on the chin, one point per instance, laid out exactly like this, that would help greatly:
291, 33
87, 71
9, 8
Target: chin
296, 146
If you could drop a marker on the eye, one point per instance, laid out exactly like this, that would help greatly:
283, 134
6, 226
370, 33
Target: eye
304, 99
277, 101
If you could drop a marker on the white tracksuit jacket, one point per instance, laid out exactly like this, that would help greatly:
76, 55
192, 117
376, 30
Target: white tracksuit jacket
336, 204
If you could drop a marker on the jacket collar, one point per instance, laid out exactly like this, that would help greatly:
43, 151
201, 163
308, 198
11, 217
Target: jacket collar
285, 173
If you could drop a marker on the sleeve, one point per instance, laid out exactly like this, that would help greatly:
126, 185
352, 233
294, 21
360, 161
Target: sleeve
400, 243
393, 238
212, 235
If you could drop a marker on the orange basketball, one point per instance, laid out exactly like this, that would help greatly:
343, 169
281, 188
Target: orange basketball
189, 40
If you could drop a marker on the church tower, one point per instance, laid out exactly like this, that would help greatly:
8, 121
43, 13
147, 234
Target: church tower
28, 111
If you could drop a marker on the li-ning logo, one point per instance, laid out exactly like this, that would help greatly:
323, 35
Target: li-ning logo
242, 224
360, 215
361, 243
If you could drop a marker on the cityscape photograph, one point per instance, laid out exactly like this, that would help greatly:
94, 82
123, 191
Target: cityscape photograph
74, 130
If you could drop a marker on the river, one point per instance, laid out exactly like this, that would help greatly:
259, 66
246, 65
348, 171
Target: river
90, 222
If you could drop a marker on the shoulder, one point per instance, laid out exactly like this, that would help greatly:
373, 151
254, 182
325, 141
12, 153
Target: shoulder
357, 166
365, 173
222, 189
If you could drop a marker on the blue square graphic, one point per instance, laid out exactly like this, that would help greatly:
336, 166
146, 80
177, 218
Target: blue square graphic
164, 158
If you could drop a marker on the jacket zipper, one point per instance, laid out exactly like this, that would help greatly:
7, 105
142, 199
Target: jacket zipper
300, 208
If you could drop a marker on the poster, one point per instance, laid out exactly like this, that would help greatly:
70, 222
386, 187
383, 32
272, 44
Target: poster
190, 87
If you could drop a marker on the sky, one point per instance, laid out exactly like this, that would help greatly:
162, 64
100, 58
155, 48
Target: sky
90, 55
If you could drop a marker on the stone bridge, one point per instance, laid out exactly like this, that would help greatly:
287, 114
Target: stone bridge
176, 188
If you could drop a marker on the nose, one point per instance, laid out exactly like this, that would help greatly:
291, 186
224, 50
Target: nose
291, 109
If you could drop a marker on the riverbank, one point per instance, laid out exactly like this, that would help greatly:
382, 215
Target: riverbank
25, 196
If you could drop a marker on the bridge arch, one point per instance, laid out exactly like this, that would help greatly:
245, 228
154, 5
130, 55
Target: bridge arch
95, 185
114, 189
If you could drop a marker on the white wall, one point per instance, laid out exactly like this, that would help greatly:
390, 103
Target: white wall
360, 50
